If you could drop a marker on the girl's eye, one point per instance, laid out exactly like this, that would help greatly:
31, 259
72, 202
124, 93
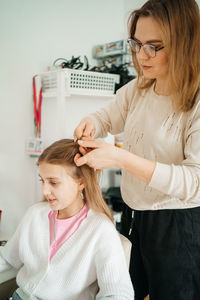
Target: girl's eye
40, 179
53, 183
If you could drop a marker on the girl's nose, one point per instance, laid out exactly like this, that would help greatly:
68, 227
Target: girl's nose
45, 190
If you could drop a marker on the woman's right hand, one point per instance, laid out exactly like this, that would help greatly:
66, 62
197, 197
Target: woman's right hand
86, 128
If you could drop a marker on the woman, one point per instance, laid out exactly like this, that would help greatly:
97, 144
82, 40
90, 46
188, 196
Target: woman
159, 113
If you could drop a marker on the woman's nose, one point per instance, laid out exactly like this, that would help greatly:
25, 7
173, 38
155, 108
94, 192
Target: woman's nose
142, 55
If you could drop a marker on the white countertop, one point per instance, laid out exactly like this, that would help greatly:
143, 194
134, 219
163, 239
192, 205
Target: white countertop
7, 275
11, 273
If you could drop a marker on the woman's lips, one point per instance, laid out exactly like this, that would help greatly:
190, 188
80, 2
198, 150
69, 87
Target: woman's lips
145, 67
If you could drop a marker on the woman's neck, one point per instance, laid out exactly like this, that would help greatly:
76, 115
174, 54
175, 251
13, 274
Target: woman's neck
161, 87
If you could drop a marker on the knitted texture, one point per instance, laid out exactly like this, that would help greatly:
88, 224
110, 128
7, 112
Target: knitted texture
154, 131
91, 263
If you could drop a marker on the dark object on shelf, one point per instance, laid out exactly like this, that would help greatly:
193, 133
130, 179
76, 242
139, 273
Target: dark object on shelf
73, 63
113, 197
2, 243
121, 70
106, 67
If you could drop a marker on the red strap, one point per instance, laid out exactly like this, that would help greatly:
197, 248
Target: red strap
37, 110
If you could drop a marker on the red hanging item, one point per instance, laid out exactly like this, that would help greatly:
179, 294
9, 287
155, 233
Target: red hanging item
37, 108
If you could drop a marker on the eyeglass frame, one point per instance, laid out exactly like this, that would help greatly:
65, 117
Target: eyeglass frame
142, 45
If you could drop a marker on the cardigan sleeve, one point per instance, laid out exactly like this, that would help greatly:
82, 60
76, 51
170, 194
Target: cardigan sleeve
112, 117
182, 181
112, 273
4, 265
10, 253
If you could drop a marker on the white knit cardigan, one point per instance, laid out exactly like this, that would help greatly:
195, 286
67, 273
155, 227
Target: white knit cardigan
89, 265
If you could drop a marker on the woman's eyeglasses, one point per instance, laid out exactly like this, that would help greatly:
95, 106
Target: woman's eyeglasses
150, 50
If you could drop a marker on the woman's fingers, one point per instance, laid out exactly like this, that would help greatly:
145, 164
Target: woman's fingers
83, 151
76, 157
98, 155
78, 132
80, 161
86, 128
90, 143
89, 138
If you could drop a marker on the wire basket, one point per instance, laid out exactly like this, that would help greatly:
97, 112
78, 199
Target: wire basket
78, 82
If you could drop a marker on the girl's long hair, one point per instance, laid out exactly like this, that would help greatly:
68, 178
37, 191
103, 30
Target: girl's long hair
179, 21
62, 153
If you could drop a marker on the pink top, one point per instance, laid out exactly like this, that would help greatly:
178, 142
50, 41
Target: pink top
62, 229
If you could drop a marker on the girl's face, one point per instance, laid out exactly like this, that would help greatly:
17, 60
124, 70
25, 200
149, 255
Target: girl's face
61, 190
148, 32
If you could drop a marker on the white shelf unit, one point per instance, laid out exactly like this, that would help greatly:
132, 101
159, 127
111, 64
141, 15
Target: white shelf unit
78, 82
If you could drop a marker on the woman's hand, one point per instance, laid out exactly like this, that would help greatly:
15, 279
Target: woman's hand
98, 155
101, 155
86, 128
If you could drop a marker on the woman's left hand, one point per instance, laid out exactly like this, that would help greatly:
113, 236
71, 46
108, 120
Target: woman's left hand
98, 155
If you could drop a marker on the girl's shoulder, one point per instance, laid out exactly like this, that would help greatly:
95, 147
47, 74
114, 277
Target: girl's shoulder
100, 221
103, 230
42, 207
100, 216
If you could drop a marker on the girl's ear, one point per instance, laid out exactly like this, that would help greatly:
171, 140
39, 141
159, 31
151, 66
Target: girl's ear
81, 184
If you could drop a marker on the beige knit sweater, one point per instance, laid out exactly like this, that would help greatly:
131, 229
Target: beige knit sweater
153, 130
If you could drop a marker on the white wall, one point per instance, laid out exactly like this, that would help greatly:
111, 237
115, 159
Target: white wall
33, 34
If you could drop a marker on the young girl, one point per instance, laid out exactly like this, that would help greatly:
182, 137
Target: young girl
159, 113
66, 247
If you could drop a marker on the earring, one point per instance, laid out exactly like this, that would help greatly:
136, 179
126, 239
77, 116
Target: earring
81, 195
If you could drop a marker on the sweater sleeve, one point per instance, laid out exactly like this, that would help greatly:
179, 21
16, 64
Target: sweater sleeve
112, 117
10, 253
4, 265
182, 181
112, 272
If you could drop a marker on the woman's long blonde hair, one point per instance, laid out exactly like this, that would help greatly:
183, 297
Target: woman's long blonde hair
62, 153
179, 21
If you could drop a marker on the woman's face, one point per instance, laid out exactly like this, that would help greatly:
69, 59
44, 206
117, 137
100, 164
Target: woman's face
148, 32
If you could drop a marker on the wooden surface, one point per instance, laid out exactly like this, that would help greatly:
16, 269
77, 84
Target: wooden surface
7, 289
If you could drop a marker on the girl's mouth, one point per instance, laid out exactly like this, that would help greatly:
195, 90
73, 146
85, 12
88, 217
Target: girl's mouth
51, 201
